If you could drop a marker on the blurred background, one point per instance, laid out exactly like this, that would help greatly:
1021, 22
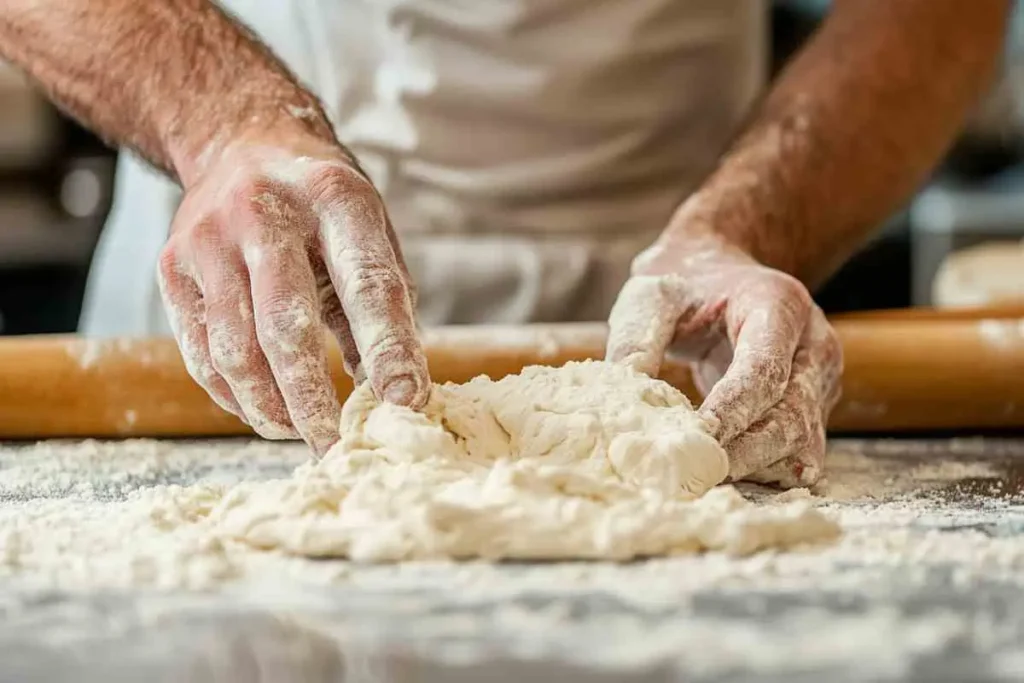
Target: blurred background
56, 181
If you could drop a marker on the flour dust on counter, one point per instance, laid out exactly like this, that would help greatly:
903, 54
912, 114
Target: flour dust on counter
926, 576
587, 461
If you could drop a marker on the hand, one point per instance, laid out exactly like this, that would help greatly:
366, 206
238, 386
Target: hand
762, 352
272, 239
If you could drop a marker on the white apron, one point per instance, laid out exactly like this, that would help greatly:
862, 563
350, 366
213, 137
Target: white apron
526, 149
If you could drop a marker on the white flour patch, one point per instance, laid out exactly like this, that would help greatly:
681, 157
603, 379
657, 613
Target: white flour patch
68, 508
77, 516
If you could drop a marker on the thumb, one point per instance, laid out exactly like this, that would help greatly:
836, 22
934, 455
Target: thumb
642, 323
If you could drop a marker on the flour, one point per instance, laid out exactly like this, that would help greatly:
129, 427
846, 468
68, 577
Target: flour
83, 513
587, 461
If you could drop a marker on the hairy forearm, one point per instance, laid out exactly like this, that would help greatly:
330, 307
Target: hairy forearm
171, 79
851, 129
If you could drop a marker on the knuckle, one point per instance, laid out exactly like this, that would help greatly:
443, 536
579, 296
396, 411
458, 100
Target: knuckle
233, 351
374, 280
272, 207
336, 184
647, 260
168, 265
790, 289
250, 188
391, 343
204, 233
285, 320
785, 296
669, 286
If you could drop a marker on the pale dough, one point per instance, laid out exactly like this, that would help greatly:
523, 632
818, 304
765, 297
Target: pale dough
987, 274
590, 460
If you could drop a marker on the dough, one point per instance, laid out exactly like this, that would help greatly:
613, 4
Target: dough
986, 274
590, 460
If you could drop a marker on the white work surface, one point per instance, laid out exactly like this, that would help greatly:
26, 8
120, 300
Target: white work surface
926, 584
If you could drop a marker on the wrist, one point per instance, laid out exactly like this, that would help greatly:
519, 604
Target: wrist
728, 224
697, 225
290, 119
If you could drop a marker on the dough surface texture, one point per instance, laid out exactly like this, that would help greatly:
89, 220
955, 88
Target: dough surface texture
589, 460
986, 274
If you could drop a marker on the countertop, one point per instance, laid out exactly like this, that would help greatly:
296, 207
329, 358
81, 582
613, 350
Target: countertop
925, 586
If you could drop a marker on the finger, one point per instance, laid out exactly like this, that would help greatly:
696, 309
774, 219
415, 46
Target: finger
374, 296
787, 445
334, 318
185, 315
807, 467
234, 347
410, 284
791, 473
287, 318
642, 323
827, 351
764, 343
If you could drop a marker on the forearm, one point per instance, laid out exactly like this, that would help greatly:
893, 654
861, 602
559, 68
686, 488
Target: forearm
852, 127
172, 79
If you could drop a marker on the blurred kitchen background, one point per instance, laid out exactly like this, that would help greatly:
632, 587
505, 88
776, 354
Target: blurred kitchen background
56, 180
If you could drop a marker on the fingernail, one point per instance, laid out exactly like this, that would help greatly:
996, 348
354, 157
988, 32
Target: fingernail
401, 391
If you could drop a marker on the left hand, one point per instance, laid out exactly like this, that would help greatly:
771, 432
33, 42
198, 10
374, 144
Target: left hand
281, 235
762, 353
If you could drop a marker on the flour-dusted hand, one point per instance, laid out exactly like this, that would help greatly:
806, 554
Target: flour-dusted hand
762, 352
274, 239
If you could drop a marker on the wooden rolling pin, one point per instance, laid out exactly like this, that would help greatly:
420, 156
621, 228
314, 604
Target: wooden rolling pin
927, 372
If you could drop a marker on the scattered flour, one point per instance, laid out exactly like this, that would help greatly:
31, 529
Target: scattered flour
587, 461
166, 515
79, 516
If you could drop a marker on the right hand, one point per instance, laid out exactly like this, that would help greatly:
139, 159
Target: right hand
276, 236
762, 353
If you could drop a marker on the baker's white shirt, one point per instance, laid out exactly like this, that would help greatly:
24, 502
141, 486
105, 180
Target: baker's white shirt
526, 149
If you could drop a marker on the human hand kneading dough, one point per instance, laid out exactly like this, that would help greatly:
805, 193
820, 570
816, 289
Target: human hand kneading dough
271, 239
798, 191
762, 353
279, 231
